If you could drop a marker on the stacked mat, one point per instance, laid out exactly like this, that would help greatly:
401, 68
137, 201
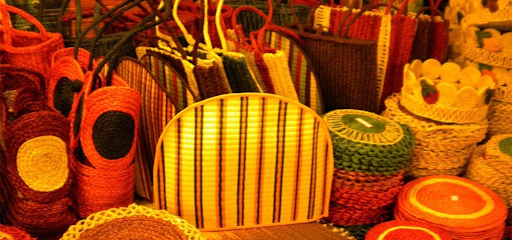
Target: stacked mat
440, 148
491, 166
405, 230
371, 153
462, 208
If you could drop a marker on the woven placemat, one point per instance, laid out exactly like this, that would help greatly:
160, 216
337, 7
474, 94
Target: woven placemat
303, 231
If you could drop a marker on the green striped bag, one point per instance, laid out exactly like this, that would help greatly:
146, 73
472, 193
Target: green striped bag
172, 81
301, 70
156, 111
244, 160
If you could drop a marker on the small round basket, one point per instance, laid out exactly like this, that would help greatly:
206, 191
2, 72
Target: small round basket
405, 230
132, 222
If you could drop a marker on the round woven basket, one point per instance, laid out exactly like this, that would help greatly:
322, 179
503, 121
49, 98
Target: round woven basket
479, 170
405, 230
462, 208
65, 80
368, 143
439, 148
132, 222
499, 118
442, 114
13, 233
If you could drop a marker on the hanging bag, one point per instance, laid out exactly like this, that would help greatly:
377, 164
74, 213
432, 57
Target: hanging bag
29, 49
346, 67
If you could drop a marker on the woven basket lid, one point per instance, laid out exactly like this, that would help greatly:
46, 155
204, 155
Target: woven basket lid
369, 143
458, 205
132, 222
500, 146
405, 230
13, 233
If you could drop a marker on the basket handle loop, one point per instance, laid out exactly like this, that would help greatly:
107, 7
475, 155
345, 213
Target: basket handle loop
5, 11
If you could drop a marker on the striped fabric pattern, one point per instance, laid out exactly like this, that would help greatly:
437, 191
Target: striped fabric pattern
244, 160
301, 70
156, 111
171, 80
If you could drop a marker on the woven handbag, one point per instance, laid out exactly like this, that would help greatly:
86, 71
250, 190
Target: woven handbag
222, 163
132, 222
431, 40
29, 49
157, 110
65, 81
462, 208
347, 75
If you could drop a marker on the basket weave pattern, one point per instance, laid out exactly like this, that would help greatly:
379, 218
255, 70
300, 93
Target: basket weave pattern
440, 148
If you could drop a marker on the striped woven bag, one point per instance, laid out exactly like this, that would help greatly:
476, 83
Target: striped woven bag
244, 160
157, 109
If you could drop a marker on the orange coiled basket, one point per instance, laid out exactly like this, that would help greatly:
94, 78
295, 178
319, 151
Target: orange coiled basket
462, 208
406, 230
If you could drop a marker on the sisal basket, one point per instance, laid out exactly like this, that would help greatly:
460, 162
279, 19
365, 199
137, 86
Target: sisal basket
405, 230
132, 222
65, 81
368, 143
500, 109
13, 233
248, 143
440, 148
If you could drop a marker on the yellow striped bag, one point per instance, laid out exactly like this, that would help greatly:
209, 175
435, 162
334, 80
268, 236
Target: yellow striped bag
244, 160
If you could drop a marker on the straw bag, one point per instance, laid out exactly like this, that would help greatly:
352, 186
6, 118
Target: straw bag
157, 110
132, 222
198, 174
347, 75
29, 49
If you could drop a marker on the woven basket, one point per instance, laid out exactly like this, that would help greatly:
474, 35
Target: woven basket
481, 170
442, 114
440, 148
462, 208
343, 216
28, 49
500, 109
502, 17
83, 57
368, 143
405, 230
497, 59
132, 222
13, 233
157, 110
65, 81
198, 172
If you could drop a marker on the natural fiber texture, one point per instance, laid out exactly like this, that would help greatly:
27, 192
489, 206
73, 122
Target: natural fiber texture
280, 74
347, 74
485, 16
439, 148
132, 222
180, 83
239, 76
305, 231
503, 94
406, 230
82, 59
443, 114
499, 112
13, 233
37, 184
480, 169
102, 156
302, 72
439, 47
343, 216
383, 47
422, 40
462, 208
248, 143
37, 156
497, 59
382, 147
65, 81
157, 110
28, 49
211, 77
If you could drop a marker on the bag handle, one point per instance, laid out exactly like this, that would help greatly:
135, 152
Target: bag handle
5, 11
142, 26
